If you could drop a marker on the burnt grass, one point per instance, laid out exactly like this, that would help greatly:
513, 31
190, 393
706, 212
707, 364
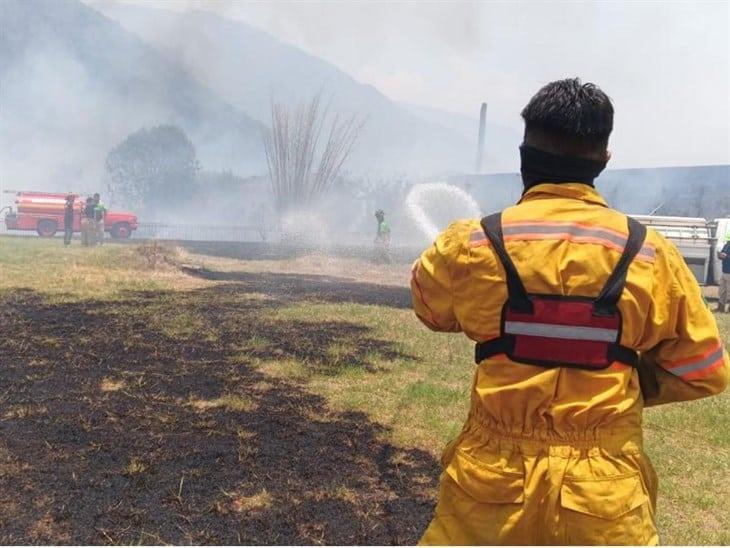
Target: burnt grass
138, 463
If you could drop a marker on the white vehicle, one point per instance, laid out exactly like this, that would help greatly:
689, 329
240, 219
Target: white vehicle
697, 239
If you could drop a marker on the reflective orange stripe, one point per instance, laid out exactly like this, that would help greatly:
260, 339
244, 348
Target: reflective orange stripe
573, 232
558, 224
704, 372
526, 237
693, 359
698, 366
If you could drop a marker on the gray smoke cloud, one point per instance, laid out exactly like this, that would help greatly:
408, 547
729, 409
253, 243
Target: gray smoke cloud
666, 66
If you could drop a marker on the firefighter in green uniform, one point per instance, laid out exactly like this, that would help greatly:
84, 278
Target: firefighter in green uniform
382, 239
99, 213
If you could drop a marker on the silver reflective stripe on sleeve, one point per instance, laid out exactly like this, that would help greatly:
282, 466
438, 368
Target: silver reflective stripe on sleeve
712, 359
568, 332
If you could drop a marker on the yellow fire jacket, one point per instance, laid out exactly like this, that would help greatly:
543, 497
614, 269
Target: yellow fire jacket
554, 456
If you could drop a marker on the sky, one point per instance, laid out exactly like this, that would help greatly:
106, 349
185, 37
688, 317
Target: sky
666, 65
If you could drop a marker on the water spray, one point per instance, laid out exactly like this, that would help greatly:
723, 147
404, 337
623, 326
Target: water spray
433, 205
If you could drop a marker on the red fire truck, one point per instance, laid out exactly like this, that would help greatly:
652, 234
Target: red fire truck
44, 213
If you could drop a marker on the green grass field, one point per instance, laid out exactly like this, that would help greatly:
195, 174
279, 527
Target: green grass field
356, 353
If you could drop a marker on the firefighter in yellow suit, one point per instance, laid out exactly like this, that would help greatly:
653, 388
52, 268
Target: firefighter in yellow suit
554, 455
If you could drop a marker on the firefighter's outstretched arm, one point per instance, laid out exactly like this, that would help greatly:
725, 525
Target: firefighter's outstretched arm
689, 354
432, 282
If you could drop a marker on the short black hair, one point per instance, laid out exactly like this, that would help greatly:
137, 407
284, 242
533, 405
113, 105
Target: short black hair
570, 118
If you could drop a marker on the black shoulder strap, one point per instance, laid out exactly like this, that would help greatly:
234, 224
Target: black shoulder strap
608, 299
517, 294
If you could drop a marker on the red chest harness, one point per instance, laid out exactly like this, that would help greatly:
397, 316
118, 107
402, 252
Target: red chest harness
557, 330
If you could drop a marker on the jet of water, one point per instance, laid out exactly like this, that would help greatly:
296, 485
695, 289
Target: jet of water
431, 206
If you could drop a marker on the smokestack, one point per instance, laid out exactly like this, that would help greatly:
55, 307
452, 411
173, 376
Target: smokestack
482, 129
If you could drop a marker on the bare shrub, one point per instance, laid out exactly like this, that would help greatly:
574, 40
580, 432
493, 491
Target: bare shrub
305, 152
155, 256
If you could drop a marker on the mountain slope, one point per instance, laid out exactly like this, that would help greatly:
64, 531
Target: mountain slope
249, 67
500, 142
75, 83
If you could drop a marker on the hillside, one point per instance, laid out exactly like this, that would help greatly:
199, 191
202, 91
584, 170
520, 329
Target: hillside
500, 142
248, 67
75, 83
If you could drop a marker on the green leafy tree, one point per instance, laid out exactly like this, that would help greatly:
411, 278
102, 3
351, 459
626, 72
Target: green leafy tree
153, 170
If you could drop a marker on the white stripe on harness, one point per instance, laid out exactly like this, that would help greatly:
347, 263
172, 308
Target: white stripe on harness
568, 332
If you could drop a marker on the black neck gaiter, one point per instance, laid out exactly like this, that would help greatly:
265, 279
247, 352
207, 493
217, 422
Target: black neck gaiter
538, 166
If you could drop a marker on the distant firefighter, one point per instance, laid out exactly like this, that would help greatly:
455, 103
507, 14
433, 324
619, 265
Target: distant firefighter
724, 256
99, 214
382, 239
68, 219
88, 232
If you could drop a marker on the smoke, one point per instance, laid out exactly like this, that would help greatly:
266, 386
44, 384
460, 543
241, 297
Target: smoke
57, 124
395, 138
699, 191
667, 70
75, 83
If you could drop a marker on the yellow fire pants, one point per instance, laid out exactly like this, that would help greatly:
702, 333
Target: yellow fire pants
501, 488
87, 237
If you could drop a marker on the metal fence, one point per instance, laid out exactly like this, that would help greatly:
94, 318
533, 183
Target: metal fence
189, 232
244, 234
195, 232
228, 233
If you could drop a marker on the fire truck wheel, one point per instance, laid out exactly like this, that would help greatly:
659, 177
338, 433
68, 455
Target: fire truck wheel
47, 228
121, 231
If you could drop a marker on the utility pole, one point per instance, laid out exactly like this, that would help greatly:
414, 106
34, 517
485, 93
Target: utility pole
480, 145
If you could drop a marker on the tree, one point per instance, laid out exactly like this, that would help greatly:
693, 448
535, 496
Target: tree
153, 169
305, 158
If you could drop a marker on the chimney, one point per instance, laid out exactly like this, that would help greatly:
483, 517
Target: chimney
480, 145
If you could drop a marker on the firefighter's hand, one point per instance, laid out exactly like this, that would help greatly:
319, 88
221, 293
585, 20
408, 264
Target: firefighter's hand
722, 255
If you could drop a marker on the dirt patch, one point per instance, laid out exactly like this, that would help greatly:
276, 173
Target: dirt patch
135, 432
